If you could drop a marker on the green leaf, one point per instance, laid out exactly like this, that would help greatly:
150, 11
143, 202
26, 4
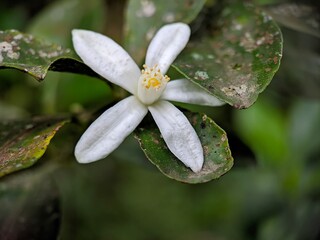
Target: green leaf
34, 56
144, 18
237, 61
22, 143
30, 207
217, 155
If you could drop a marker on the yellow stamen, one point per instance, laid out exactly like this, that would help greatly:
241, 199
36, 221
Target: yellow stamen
152, 77
153, 82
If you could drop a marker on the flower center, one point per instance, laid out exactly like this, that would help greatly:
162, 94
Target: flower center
151, 84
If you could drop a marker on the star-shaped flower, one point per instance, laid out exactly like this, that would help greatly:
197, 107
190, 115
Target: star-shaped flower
151, 91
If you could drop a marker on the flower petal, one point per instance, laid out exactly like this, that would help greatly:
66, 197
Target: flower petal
108, 131
183, 90
167, 44
106, 58
179, 135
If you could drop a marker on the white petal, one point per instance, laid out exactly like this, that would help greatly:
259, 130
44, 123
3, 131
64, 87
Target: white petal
108, 131
179, 135
183, 90
106, 58
167, 44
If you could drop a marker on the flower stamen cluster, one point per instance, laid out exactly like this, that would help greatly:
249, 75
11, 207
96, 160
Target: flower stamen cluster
151, 84
152, 77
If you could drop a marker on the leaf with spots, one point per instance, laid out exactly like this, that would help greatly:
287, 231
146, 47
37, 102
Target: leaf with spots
34, 56
145, 17
22, 143
237, 60
217, 155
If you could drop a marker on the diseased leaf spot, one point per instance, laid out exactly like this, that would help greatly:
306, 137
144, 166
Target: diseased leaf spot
201, 75
237, 66
147, 9
196, 56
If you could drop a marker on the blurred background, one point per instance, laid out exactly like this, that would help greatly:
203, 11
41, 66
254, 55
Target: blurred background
272, 192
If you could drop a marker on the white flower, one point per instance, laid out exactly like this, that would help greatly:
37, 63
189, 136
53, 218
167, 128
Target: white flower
150, 91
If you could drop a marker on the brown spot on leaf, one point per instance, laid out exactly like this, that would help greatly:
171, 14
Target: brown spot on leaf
275, 60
